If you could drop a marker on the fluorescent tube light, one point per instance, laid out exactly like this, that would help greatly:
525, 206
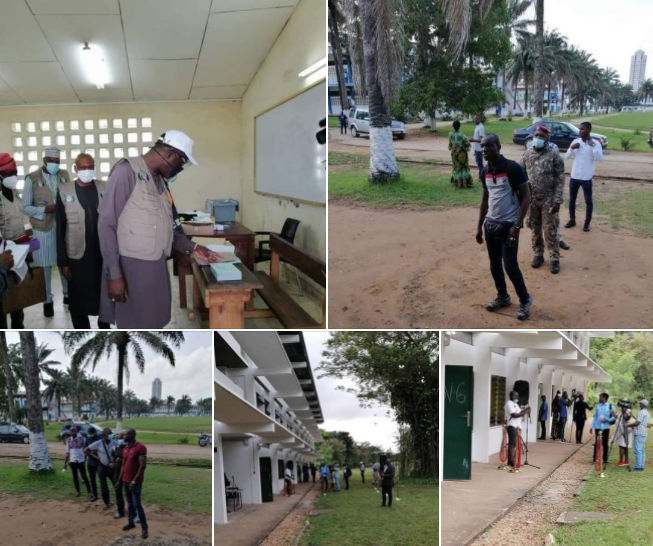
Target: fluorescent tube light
95, 65
313, 68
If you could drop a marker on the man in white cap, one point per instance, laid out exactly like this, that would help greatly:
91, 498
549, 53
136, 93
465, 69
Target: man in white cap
39, 203
138, 230
639, 441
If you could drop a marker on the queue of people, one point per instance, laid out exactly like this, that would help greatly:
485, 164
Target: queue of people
383, 474
119, 462
110, 240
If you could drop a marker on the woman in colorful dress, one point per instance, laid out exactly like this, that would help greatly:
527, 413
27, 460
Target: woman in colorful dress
459, 146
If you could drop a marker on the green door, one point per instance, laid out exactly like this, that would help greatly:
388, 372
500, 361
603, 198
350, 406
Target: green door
266, 478
458, 406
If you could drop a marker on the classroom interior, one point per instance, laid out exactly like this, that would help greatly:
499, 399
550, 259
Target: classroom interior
240, 77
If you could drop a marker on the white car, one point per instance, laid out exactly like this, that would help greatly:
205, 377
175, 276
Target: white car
359, 123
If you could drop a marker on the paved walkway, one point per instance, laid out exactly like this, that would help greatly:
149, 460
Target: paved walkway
468, 507
253, 522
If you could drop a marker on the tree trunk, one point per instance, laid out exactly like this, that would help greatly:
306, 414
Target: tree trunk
383, 165
539, 59
548, 101
39, 456
525, 96
336, 47
122, 357
4, 354
562, 97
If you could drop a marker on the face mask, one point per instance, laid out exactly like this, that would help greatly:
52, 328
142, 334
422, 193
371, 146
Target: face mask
171, 180
173, 175
52, 168
10, 182
110, 437
538, 143
86, 175
121, 442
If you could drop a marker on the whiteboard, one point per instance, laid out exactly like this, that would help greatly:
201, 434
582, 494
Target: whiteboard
289, 161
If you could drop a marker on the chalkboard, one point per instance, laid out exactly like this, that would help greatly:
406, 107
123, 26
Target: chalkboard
289, 160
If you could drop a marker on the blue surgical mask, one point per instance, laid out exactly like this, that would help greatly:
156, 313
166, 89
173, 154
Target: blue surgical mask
110, 437
538, 143
121, 442
52, 168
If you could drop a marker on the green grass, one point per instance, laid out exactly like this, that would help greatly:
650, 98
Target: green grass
627, 494
177, 488
420, 185
355, 516
333, 121
628, 120
185, 424
628, 208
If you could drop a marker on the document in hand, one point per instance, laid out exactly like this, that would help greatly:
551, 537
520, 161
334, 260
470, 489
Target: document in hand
19, 252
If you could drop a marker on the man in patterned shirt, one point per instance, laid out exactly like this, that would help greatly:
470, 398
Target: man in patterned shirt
641, 428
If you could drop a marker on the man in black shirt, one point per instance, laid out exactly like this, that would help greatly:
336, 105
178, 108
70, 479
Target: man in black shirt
580, 407
387, 480
506, 198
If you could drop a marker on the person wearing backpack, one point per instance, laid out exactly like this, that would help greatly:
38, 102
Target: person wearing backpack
604, 417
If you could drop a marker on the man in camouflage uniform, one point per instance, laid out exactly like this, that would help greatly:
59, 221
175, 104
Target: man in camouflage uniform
545, 169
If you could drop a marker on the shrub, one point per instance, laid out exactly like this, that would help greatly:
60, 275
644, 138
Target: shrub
183, 440
638, 131
627, 144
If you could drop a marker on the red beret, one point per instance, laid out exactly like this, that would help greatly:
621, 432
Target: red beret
543, 129
7, 163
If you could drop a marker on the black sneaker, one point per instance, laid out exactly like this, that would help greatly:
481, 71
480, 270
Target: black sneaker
498, 303
144, 534
525, 309
555, 267
128, 527
537, 261
586, 227
48, 309
571, 223
563, 245
66, 301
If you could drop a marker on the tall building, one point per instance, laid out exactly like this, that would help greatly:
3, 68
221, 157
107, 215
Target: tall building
156, 388
637, 69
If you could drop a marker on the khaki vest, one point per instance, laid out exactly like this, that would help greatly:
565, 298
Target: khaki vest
76, 217
41, 196
12, 219
145, 224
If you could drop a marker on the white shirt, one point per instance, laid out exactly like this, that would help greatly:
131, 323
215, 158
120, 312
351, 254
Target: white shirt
510, 408
584, 158
479, 133
288, 474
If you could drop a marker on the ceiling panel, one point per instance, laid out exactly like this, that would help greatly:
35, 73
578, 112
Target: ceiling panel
164, 29
67, 34
108, 94
21, 38
236, 44
237, 5
38, 82
73, 7
162, 80
218, 92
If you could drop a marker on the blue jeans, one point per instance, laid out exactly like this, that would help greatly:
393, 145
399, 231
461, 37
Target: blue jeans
479, 161
134, 505
47, 274
502, 255
638, 450
574, 185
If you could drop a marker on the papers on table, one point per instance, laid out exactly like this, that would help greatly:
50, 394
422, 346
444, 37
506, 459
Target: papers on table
226, 252
199, 217
219, 227
226, 272
19, 252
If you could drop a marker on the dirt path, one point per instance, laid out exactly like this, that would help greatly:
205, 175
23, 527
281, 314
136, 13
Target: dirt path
534, 516
27, 521
288, 529
402, 268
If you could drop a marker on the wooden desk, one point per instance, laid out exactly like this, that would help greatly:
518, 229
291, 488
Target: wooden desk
225, 301
237, 234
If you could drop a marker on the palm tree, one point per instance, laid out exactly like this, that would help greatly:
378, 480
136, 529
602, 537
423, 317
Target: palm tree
57, 386
154, 403
382, 48
89, 348
39, 456
170, 402
516, 26
106, 396
4, 354
645, 91
522, 66
335, 18
184, 405
539, 59
458, 14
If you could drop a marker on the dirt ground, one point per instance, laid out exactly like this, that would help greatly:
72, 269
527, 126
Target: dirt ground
287, 531
397, 268
27, 521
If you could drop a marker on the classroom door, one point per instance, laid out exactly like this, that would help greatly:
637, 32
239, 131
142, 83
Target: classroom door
458, 406
265, 464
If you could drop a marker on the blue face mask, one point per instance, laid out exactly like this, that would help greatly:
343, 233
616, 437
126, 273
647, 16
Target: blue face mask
538, 143
110, 437
52, 168
121, 442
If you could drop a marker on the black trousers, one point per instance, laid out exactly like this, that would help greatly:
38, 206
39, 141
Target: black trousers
554, 426
346, 481
574, 186
543, 429
79, 469
580, 426
313, 474
504, 256
605, 434
92, 472
512, 445
386, 490
120, 498
17, 318
82, 322
363, 476
104, 474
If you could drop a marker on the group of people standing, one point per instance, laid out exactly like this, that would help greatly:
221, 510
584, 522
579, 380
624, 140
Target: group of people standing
119, 462
383, 473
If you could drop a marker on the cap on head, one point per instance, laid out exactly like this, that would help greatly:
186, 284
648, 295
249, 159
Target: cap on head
7, 163
179, 141
643, 402
52, 152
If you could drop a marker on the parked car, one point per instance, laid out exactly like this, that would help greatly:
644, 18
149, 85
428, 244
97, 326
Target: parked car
359, 123
204, 440
562, 134
82, 427
14, 433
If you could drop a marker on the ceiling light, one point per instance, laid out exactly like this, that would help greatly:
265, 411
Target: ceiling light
321, 64
95, 65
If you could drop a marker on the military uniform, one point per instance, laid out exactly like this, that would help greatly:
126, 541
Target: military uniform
546, 170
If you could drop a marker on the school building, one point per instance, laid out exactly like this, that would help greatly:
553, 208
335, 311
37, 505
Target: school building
266, 414
481, 368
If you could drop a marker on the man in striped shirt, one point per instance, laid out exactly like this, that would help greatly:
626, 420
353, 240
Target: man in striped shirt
641, 429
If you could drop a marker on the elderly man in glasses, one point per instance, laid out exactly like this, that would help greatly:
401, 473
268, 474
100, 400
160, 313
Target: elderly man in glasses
138, 229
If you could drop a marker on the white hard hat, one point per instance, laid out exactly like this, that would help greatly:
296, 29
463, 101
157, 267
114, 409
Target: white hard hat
180, 141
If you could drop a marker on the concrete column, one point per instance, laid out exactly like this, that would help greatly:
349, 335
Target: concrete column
481, 450
219, 498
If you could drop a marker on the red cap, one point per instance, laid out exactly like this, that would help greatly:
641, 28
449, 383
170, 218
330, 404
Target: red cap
7, 163
543, 129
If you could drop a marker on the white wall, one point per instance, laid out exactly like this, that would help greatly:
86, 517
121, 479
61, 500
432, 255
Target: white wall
301, 44
219, 499
241, 462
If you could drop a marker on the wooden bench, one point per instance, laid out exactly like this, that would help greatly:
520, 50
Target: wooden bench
281, 305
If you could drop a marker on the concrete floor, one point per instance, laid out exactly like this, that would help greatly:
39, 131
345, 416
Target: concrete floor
469, 506
252, 523
34, 318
